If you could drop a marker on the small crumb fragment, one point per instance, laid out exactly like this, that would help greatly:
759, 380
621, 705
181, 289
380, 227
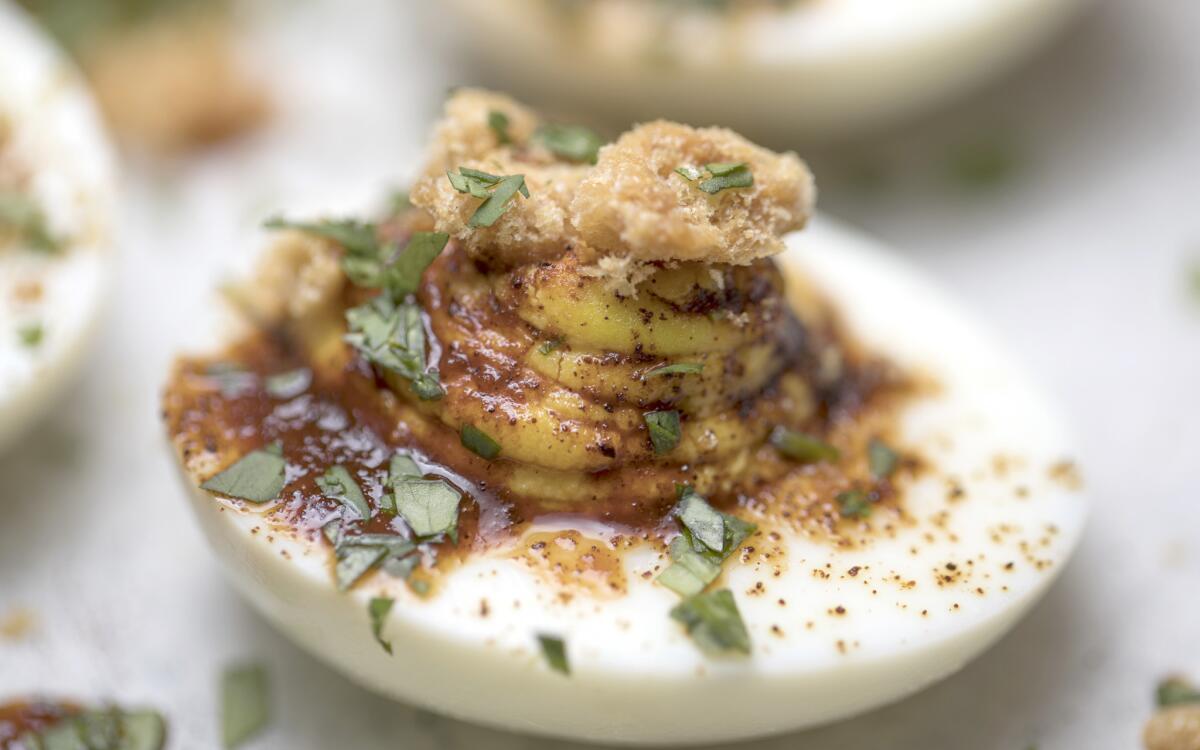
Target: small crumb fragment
17, 624
1174, 728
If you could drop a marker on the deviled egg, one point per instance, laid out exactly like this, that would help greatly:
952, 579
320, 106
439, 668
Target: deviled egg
56, 192
587, 443
776, 69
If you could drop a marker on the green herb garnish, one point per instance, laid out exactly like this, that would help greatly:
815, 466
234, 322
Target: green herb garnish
854, 504
723, 176
338, 484
285, 385
403, 466
664, 430
478, 442
370, 263
554, 651
496, 190
257, 477
713, 622
378, 609
232, 379
678, 368
393, 337
1175, 691
21, 215
708, 537
353, 562
571, 142
102, 729
802, 447
881, 459
244, 703
429, 506
551, 345
498, 122
31, 335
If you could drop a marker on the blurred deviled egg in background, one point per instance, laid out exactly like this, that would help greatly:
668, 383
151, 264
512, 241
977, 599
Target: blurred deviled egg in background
56, 193
779, 70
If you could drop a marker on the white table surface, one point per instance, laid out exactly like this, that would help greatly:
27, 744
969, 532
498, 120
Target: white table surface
1079, 261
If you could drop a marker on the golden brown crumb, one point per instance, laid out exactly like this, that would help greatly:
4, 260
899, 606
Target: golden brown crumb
631, 205
634, 203
173, 84
1174, 728
299, 275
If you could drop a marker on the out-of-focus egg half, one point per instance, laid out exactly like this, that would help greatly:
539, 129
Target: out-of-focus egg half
778, 70
841, 615
56, 205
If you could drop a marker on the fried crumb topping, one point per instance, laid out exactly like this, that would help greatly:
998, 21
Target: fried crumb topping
632, 205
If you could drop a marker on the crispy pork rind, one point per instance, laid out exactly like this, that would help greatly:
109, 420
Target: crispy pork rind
631, 205
634, 203
531, 229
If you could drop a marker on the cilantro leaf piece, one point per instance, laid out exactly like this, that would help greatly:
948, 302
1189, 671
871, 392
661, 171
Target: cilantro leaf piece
478, 442
353, 562
677, 368
854, 504
22, 216
143, 730
689, 572
403, 276
245, 701
713, 622
403, 466
257, 477
393, 337
705, 523
664, 429
378, 609
1175, 691
232, 379
498, 200
726, 176
802, 447
357, 237
881, 459
498, 122
31, 335
429, 506
691, 174
554, 651
571, 142
289, 384
551, 345
338, 484
708, 538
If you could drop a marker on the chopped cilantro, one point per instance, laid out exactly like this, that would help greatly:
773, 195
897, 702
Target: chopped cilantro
378, 609
554, 651
854, 504
285, 385
802, 447
708, 538
881, 459
31, 335
571, 142
478, 442
393, 337
677, 368
498, 122
497, 203
724, 175
1175, 691
353, 562
20, 215
664, 429
244, 703
257, 477
338, 484
429, 506
691, 174
551, 345
713, 622
102, 729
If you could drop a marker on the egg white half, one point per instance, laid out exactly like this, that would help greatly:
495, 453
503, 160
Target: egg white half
1004, 528
817, 70
57, 136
